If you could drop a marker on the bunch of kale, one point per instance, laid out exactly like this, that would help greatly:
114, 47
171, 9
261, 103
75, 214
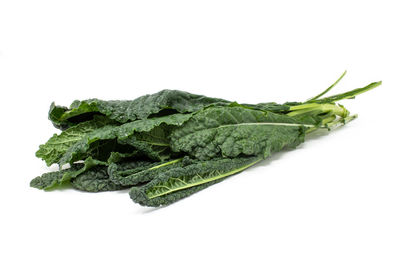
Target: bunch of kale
171, 144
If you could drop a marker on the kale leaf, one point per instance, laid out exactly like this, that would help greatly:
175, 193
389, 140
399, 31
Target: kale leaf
54, 179
138, 172
234, 131
95, 180
182, 181
162, 103
53, 150
108, 138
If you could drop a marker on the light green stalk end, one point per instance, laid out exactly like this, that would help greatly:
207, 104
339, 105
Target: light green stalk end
338, 110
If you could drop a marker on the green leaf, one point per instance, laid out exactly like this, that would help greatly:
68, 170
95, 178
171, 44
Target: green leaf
268, 106
95, 180
50, 179
136, 172
177, 183
108, 137
58, 144
118, 156
55, 113
54, 179
235, 131
154, 144
162, 103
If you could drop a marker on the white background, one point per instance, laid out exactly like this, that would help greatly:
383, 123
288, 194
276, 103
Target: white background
334, 201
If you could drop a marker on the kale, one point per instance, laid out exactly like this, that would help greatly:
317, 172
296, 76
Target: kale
58, 144
234, 131
167, 101
95, 180
169, 145
137, 172
52, 180
110, 138
181, 181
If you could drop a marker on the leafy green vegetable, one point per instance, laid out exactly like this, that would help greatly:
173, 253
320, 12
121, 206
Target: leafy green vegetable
137, 172
53, 179
50, 179
169, 145
180, 182
154, 143
169, 101
95, 180
116, 135
90, 180
55, 148
234, 131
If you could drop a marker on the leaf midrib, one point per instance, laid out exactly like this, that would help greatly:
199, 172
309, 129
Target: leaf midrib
252, 124
203, 181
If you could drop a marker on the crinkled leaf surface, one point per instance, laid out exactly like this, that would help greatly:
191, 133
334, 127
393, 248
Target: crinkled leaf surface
95, 180
170, 101
179, 182
234, 131
117, 135
118, 156
52, 151
154, 143
137, 172
52, 180
269, 106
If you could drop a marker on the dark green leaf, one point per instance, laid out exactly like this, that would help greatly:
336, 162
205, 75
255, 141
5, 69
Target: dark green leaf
58, 144
95, 180
54, 179
168, 101
113, 135
180, 182
137, 172
154, 144
235, 131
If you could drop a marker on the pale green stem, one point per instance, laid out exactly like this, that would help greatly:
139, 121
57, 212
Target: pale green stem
322, 108
329, 88
165, 164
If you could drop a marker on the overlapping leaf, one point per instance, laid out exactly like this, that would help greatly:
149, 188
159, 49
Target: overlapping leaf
95, 180
181, 181
159, 104
108, 138
137, 172
53, 179
235, 131
58, 144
